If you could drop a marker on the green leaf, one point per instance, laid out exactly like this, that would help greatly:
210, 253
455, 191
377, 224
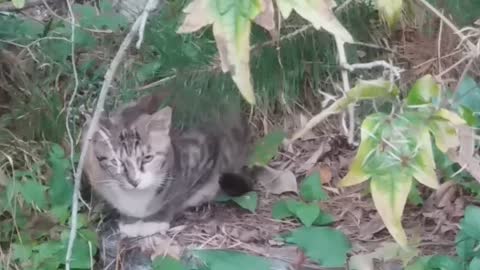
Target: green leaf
61, 213
167, 263
419, 264
369, 142
311, 189
444, 263
22, 253
468, 115
319, 13
307, 213
474, 264
391, 10
280, 210
323, 219
373, 89
18, 3
108, 19
266, 148
424, 91
424, 165
248, 201
468, 95
317, 243
231, 260
471, 222
61, 187
415, 197
389, 193
33, 193
465, 246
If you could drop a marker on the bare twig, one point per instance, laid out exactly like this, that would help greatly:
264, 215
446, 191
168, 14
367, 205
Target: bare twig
336, 107
448, 23
379, 63
342, 58
137, 25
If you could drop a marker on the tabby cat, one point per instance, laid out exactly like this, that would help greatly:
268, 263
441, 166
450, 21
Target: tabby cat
150, 172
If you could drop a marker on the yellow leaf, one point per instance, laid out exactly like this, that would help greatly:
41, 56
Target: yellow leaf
446, 136
389, 193
231, 21
356, 173
450, 116
390, 10
424, 167
318, 12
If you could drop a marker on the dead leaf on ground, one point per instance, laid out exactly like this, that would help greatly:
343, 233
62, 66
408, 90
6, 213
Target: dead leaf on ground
465, 156
312, 160
375, 225
160, 245
390, 254
324, 171
277, 181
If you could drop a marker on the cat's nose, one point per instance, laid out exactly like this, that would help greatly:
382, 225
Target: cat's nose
133, 182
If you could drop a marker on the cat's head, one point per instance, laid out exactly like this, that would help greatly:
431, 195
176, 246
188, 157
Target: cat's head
138, 156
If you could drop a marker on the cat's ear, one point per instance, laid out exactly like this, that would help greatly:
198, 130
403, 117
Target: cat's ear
160, 121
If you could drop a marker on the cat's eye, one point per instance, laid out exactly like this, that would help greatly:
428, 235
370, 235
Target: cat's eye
114, 162
147, 158
101, 158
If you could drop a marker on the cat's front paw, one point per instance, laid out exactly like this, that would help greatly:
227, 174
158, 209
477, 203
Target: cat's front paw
140, 228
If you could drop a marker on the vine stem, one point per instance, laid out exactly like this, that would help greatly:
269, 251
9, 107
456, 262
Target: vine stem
136, 28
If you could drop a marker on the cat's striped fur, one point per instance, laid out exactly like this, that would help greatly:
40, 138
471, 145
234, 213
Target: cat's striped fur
150, 172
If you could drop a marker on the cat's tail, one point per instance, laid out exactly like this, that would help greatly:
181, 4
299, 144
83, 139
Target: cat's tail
237, 184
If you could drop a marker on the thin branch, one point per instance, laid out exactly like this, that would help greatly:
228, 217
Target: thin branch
336, 107
137, 25
448, 23
342, 58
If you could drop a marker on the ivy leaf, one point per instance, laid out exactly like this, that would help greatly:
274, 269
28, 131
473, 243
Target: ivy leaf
307, 213
231, 21
316, 242
444, 263
465, 246
248, 201
266, 148
231, 260
389, 193
474, 264
18, 3
34, 193
468, 95
61, 188
318, 12
471, 222
167, 263
323, 219
22, 252
425, 89
424, 165
391, 10
311, 189
280, 210
368, 143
